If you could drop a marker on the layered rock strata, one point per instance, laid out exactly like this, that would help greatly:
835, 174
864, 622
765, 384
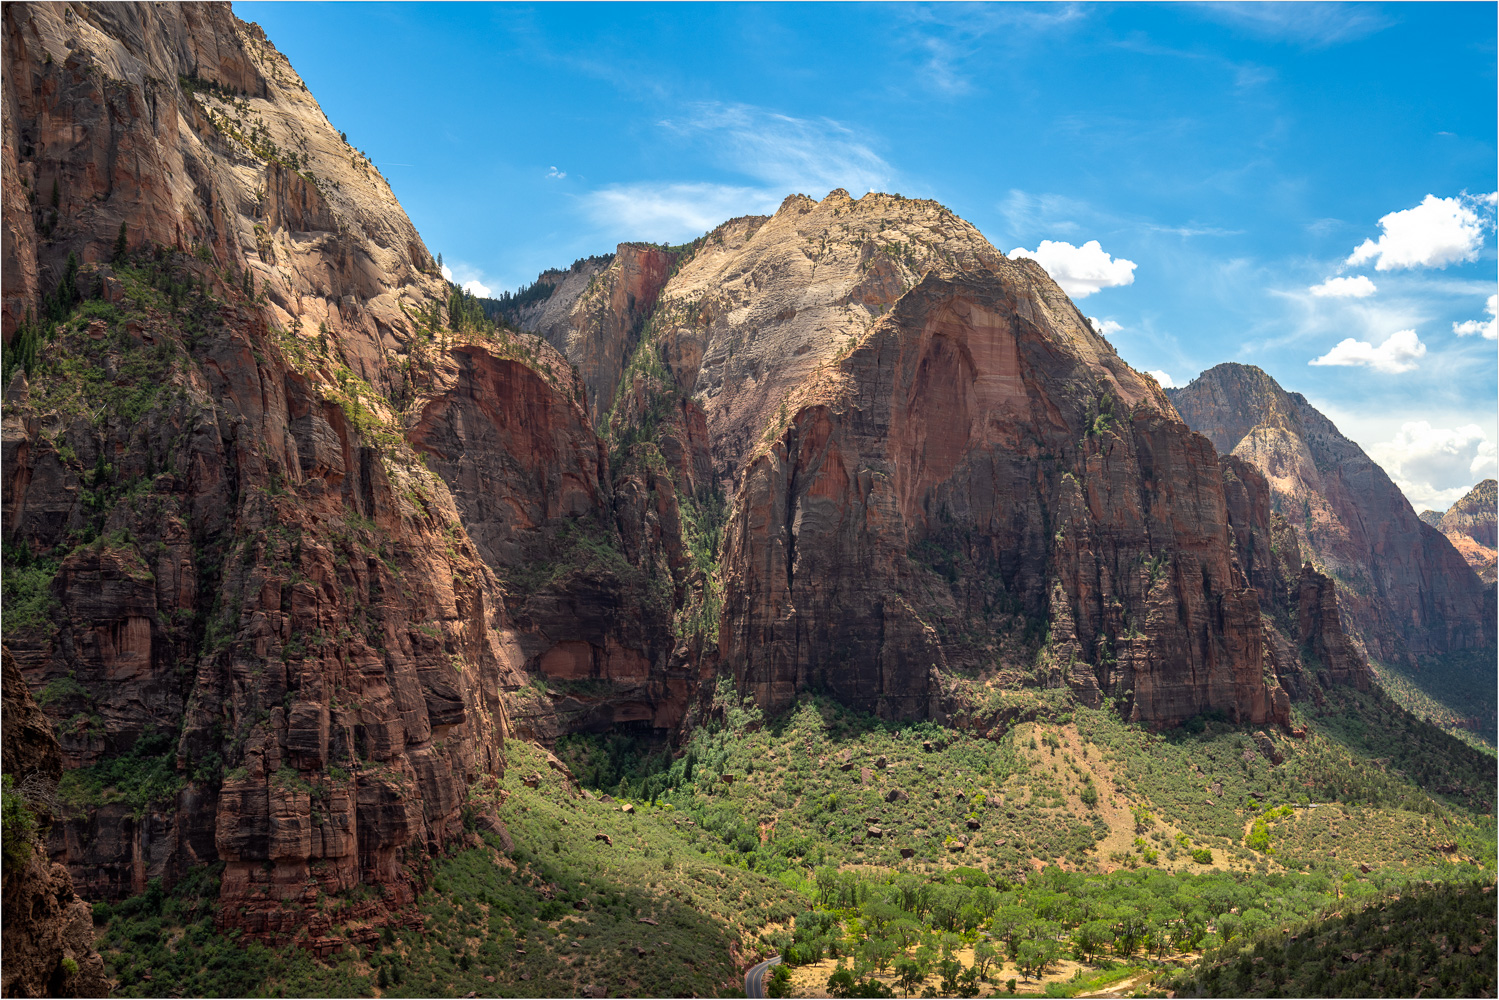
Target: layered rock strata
982, 462
252, 611
1404, 590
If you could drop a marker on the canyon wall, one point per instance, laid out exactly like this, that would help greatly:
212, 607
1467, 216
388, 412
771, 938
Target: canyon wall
248, 606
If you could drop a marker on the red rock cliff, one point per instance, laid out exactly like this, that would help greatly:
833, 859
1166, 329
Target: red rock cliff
982, 464
247, 601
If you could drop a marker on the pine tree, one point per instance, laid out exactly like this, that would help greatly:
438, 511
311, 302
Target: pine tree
122, 244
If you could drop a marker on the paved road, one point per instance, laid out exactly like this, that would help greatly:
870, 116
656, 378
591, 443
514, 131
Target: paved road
754, 979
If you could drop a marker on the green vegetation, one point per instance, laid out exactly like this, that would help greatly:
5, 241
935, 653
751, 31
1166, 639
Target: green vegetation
26, 589
639, 915
1455, 692
144, 774
18, 825
1432, 940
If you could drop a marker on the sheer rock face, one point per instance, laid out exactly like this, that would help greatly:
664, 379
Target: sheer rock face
765, 306
983, 456
1470, 526
257, 584
45, 921
1402, 587
577, 551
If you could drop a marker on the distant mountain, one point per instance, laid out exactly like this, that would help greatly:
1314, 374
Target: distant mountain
1405, 589
1470, 526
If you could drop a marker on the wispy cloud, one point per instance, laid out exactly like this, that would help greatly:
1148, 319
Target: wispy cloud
1309, 25
946, 37
808, 155
1344, 288
673, 213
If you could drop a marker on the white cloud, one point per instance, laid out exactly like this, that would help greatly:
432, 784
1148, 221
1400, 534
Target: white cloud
811, 156
447, 272
1436, 466
1489, 328
1437, 232
1080, 271
555, 174
477, 288
1397, 354
1310, 25
1167, 382
1105, 327
674, 212
1344, 288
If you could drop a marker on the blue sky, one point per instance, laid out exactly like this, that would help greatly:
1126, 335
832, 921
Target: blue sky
1238, 156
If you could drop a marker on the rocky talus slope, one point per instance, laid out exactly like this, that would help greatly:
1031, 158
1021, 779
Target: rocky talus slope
1470, 526
48, 930
1404, 589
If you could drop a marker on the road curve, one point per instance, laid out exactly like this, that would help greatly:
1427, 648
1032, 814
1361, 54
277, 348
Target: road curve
754, 979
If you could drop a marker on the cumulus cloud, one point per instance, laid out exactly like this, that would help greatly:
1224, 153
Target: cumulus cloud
477, 288
1344, 288
1080, 271
1489, 328
1435, 466
674, 212
1167, 382
1437, 232
555, 174
1105, 327
1398, 353
447, 272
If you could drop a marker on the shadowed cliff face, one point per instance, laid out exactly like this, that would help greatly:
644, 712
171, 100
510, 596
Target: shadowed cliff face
253, 613
45, 922
1403, 588
591, 563
980, 461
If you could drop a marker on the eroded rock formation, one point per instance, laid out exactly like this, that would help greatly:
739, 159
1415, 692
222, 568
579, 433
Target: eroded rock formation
982, 463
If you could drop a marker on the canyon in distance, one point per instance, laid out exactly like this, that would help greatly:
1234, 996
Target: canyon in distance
825, 587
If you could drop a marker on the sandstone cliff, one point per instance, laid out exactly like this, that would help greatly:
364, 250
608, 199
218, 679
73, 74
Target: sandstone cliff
251, 610
1470, 526
1403, 588
48, 930
979, 466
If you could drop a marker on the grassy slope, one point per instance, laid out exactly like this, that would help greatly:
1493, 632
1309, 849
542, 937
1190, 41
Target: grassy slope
1427, 940
561, 911
723, 866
